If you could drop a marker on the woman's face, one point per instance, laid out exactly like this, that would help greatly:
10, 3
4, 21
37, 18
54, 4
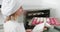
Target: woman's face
19, 11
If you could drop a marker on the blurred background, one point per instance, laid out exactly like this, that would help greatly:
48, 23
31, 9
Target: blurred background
35, 5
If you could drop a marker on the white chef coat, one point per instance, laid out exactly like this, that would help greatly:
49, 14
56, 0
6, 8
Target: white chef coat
13, 26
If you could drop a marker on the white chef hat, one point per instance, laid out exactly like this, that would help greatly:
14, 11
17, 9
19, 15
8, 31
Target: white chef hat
10, 6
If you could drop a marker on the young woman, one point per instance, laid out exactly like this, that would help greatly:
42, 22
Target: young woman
11, 10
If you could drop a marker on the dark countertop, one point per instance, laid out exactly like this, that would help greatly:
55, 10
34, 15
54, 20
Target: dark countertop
57, 28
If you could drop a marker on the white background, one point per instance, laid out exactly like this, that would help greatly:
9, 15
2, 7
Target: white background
0, 2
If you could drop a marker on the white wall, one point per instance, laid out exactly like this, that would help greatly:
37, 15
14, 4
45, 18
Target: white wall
54, 5
0, 2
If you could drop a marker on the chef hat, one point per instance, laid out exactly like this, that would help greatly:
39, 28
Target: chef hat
10, 6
